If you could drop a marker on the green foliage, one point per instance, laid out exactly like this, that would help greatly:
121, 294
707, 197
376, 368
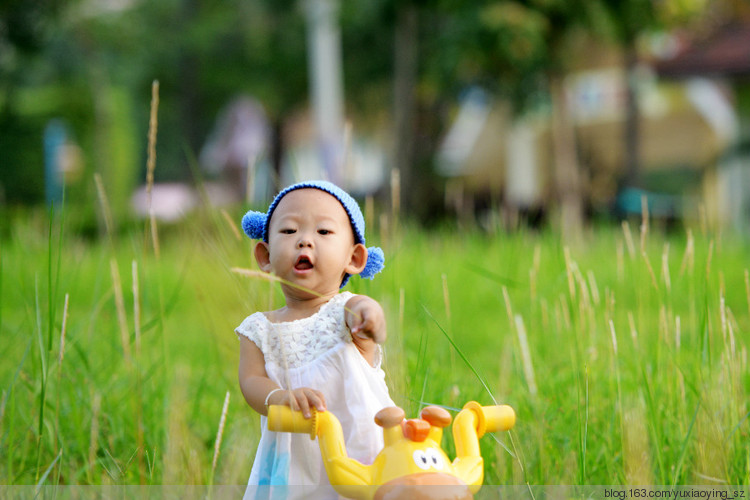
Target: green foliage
626, 363
98, 58
22, 175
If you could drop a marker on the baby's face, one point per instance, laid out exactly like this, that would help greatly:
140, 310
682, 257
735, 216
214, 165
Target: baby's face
310, 241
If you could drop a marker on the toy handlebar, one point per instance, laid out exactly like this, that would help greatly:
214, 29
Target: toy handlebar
396, 461
342, 471
474, 420
283, 419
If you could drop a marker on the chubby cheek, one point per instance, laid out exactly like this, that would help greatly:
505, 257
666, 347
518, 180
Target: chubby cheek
281, 260
279, 256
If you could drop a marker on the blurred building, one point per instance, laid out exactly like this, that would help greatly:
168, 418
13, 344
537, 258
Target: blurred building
691, 142
236, 152
722, 59
363, 168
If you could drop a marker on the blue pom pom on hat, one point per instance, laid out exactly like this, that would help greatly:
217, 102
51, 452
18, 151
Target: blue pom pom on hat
255, 224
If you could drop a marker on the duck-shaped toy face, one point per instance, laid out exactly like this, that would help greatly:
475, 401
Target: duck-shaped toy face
412, 464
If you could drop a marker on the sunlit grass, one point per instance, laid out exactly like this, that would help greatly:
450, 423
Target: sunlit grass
625, 356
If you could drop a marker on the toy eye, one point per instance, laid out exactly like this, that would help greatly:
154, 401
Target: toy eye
434, 458
420, 458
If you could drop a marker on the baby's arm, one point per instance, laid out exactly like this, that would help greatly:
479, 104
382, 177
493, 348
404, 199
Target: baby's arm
257, 387
366, 320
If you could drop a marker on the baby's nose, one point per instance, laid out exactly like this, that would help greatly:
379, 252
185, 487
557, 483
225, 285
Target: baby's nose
304, 242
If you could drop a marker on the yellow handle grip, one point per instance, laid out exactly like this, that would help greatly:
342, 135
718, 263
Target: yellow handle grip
499, 418
283, 419
490, 418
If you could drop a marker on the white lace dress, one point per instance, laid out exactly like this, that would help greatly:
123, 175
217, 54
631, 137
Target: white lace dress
315, 352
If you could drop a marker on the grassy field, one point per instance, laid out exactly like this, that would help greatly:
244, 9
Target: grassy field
624, 355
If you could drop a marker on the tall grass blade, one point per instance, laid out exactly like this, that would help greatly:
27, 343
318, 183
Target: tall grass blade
493, 276
508, 306
447, 305
628, 239
666, 278
583, 426
43, 379
136, 309
528, 367
153, 125
46, 473
94, 432
446, 298
461, 354
705, 341
219, 434
122, 319
61, 355
688, 258
106, 212
683, 450
737, 427
52, 277
518, 456
654, 421
644, 222
650, 270
594, 287
151, 461
63, 329
232, 225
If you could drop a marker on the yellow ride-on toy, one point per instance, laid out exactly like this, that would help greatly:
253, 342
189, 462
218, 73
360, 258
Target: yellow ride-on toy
411, 465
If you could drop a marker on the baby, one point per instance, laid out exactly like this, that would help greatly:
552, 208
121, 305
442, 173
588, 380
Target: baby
322, 348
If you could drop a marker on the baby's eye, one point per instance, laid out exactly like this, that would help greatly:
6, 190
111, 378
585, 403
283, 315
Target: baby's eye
288, 231
324, 231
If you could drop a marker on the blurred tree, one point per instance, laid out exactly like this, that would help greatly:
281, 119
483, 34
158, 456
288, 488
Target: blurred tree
203, 53
25, 28
398, 39
386, 80
629, 20
210, 52
100, 61
525, 45
564, 18
405, 73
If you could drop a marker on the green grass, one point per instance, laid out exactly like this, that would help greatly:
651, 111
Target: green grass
624, 367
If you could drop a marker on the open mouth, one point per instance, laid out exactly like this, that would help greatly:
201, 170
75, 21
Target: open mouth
303, 264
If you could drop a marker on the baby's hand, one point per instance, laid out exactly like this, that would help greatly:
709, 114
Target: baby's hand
301, 399
365, 319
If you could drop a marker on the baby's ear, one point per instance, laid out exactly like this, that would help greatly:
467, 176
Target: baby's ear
263, 256
358, 259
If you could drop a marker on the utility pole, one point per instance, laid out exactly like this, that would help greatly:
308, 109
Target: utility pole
326, 84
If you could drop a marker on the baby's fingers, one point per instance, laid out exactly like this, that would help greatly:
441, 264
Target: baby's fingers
316, 399
371, 327
307, 398
364, 325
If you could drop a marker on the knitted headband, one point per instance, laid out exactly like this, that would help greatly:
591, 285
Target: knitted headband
255, 224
